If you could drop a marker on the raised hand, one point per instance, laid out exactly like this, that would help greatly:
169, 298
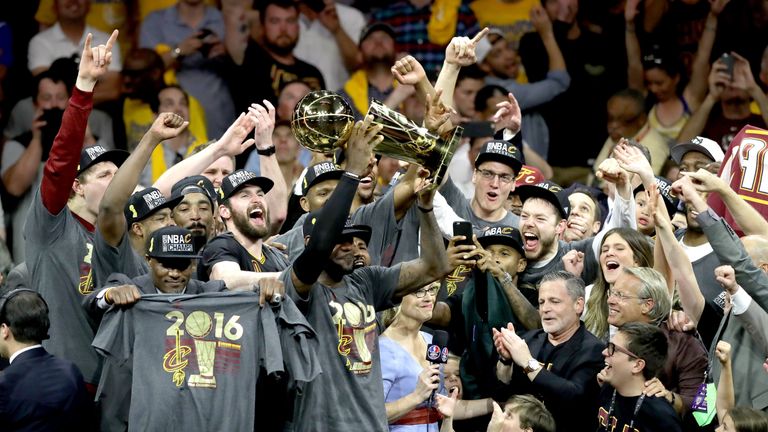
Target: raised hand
717, 6
573, 261
166, 126
362, 140
508, 115
657, 208
95, 60
610, 171
631, 159
408, 71
630, 10
742, 74
231, 143
719, 79
723, 352
437, 117
726, 277
461, 49
540, 20
461, 254
265, 123
705, 181
497, 419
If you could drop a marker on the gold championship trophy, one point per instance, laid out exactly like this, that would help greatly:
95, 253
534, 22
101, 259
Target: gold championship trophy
323, 120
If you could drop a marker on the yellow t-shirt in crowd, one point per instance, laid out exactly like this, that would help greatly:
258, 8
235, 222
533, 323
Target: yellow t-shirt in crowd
512, 18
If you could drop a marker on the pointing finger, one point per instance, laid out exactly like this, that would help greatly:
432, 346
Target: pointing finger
112, 39
478, 37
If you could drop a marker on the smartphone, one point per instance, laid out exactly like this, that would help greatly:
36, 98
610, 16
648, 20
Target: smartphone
463, 228
316, 5
204, 33
727, 60
477, 129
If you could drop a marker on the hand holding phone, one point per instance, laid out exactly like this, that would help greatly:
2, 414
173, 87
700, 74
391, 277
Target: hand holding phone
463, 228
728, 61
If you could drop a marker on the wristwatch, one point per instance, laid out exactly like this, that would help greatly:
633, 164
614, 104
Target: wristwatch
532, 366
269, 151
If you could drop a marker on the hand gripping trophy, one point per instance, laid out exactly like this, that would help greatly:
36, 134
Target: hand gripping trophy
323, 120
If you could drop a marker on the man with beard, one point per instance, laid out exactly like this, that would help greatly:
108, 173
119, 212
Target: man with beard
374, 79
240, 255
261, 71
126, 221
341, 303
726, 110
195, 208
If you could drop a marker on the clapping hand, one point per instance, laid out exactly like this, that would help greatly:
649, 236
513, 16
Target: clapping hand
264, 119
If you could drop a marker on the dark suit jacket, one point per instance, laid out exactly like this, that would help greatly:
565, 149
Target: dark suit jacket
39, 392
567, 386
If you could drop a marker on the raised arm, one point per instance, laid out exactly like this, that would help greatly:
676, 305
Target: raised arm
61, 168
696, 89
744, 80
111, 219
690, 294
277, 198
726, 398
634, 55
232, 143
433, 262
750, 221
20, 176
308, 266
460, 52
718, 80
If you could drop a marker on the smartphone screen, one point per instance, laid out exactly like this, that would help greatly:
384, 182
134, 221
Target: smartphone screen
477, 129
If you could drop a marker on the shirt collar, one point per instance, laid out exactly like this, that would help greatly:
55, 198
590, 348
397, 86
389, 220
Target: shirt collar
23, 350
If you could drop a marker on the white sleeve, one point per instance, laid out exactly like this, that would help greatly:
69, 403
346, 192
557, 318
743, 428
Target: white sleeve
36, 54
621, 215
741, 301
444, 214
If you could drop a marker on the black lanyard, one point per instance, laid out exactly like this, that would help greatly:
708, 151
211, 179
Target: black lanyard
634, 414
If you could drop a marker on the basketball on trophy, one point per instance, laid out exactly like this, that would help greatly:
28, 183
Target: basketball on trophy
322, 121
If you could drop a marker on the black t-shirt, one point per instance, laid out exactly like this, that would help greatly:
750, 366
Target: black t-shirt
655, 414
224, 247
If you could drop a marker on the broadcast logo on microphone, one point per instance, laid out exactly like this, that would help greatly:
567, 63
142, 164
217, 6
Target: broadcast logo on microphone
437, 354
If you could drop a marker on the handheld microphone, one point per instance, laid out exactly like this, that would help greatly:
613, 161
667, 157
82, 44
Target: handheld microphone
437, 353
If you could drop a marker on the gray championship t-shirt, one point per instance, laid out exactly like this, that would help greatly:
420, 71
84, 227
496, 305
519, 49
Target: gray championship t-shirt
59, 254
121, 259
380, 216
461, 205
348, 395
195, 359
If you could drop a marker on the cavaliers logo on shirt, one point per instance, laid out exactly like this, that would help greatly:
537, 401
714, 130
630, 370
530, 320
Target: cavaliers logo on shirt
85, 284
201, 345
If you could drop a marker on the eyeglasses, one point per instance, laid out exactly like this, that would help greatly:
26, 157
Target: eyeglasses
432, 290
622, 296
489, 175
612, 348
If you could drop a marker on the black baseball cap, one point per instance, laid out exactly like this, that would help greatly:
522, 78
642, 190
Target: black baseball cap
235, 181
547, 190
665, 190
377, 26
350, 230
90, 156
145, 203
500, 151
320, 172
195, 184
505, 235
172, 242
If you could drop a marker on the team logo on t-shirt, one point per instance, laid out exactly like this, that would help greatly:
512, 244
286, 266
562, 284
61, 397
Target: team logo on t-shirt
85, 284
208, 345
356, 328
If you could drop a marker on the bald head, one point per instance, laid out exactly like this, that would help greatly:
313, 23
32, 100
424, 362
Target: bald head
757, 248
